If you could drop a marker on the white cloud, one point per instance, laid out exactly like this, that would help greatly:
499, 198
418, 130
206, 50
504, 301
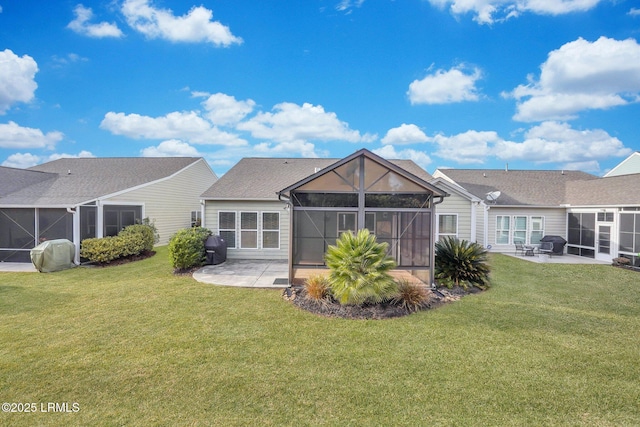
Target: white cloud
555, 142
26, 160
302, 148
226, 110
187, 126
22, 160
294, 123
445, 87
82, 26
195, 26
17, 82
467, 147
404, 134
171, 148
419, 157
581, 75
348, 5
634, 11
13, 135
490, 11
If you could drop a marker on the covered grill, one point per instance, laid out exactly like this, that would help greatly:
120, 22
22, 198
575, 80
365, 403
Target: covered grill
216, 250
558, 243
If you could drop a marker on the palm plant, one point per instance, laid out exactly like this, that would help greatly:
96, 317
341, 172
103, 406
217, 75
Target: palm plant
359, 269
460, 262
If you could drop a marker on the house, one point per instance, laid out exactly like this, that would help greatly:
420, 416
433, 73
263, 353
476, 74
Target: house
292, 209
79, 198
595, 215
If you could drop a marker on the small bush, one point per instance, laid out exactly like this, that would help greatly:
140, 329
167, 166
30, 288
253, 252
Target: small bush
140, 235
317, 287
459, 262
411, 296
186, 248
359, 269
132, 240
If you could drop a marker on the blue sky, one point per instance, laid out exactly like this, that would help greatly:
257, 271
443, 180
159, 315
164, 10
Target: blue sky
535, 84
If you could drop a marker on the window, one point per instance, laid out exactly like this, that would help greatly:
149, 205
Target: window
503, 228
249, 230
537, 229
581, 234
520, 229
346, 222
447, 225
227, 227
270, 230
605, 216
196, 218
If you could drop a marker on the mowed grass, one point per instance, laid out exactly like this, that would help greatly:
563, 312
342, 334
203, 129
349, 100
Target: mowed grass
136, 345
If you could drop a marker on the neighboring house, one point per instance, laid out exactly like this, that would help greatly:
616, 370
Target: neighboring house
630, 165
597, 216
292, 209
79, 198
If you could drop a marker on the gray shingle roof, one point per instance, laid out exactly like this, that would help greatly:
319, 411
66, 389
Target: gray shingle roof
79, 180
12, 180
622, 190
519, 187
256, 178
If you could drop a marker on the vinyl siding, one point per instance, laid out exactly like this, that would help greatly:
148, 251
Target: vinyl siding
169, 202
555, 223
455, 204
212, 208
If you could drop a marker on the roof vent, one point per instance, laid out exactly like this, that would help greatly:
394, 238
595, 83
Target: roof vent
316, 170
69, 172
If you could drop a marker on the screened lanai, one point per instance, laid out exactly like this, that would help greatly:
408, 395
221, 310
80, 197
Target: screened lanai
362, 191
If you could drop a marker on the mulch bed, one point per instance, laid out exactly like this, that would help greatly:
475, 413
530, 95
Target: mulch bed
331, 308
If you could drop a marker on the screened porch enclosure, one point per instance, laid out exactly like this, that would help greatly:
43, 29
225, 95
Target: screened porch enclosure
362, 191
25, 228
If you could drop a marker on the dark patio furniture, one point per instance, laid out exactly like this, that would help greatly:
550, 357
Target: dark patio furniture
557, 242
546, 248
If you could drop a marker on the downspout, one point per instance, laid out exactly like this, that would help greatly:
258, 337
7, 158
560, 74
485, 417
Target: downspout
486, 225
289, 208
76, 233
202, 213
432, 260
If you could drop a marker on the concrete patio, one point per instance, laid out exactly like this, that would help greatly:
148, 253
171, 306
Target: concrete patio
246, 273
557, 259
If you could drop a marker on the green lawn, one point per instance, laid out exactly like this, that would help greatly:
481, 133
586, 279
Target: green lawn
135, 345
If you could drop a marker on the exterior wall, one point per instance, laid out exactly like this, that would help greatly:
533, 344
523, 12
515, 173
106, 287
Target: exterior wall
460, 206
555, 223
630, 165
211, 222
169, 202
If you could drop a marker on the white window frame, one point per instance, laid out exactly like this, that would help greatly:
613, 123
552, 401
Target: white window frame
532, 220
503, 230
249, 230
440, 234
270, 230
196, 218
344, 230
234, 230
515, 229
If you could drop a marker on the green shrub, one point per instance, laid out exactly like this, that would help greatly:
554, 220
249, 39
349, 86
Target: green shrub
132, 240
317, 287
359, 269
411, 296
186, 248
104, 249
459, 262
141, 237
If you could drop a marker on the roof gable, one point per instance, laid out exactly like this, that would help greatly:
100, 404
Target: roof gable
630, 165
261, 178
388, 178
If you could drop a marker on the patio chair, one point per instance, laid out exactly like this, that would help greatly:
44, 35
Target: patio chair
546, 248
520, 248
